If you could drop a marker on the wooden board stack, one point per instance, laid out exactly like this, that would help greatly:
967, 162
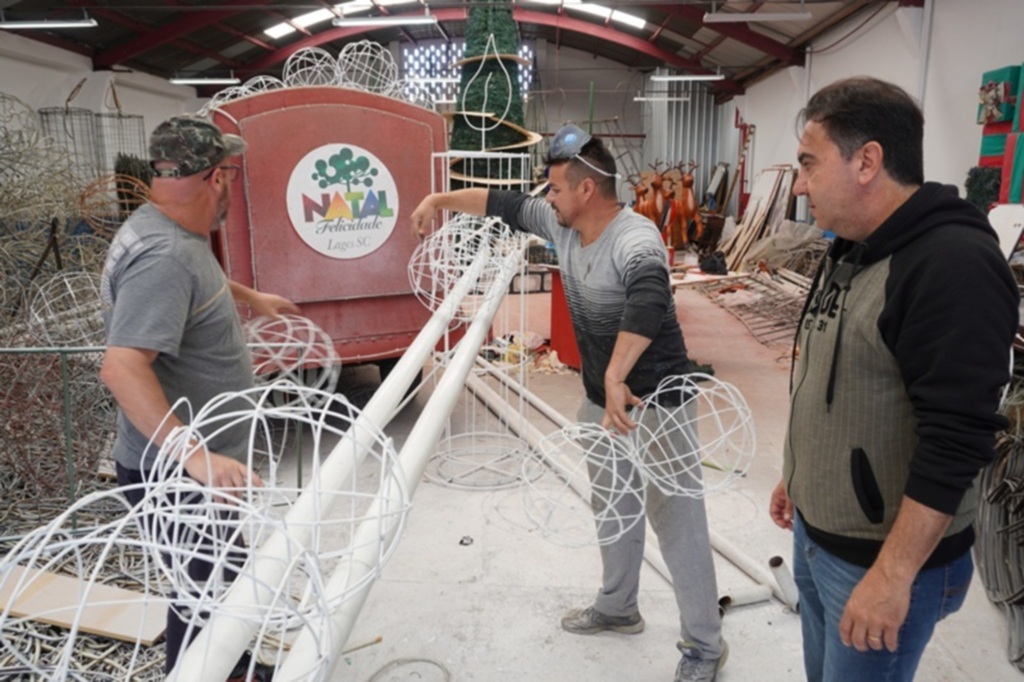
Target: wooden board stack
770, 203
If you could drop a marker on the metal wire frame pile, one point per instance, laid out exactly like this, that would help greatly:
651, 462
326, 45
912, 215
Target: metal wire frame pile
96, 657
768, 306
56, 420
999, 549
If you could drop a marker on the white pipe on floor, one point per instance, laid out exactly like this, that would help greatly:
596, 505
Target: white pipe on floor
786, 583
742, 597
725, 548
220, 644
419, 446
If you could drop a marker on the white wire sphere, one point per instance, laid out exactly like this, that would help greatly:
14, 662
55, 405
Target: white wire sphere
19, 124
311, 66
224, 96
263, 83
557, 501
64, 310
94, 542
695, 435
292, 348
352, 525
369, 66
452, 252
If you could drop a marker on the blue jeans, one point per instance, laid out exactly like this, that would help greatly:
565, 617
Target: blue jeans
825, 584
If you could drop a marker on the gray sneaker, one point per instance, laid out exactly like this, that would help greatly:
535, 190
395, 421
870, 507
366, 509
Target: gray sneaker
693, 668
590, 621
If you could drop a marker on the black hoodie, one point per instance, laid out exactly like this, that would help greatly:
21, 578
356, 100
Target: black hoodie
903, 352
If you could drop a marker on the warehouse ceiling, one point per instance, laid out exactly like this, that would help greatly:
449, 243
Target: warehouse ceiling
174, 37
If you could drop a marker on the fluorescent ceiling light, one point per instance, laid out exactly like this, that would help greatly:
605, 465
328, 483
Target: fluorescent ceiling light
199, 80
755, 17
661, 98
597, 10
689, 77
628, 19
22, 24
387, 20
315, 17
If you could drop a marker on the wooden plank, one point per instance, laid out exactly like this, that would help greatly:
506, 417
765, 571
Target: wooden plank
765, 190
108, 611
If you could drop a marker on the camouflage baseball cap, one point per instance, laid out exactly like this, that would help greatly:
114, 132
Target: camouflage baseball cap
193, 143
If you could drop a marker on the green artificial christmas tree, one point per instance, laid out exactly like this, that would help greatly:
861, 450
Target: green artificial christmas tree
489, 83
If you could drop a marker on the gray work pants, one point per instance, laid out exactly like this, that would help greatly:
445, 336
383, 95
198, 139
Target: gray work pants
682, 527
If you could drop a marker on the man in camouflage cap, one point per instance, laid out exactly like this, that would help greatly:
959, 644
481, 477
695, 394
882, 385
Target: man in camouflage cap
172, 328
192, 144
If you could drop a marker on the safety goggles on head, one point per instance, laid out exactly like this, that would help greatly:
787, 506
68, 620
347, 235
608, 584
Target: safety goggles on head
568, 143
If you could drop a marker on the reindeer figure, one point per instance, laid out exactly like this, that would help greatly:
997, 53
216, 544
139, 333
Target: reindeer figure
674, 230
640, 192
688, 207
660, 194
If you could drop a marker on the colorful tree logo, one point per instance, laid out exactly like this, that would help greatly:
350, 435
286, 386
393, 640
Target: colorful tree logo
344, 168
342, 201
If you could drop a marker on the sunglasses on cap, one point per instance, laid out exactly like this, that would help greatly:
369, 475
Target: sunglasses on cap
567, 144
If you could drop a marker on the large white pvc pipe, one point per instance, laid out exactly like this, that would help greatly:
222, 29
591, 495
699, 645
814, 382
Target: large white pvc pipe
217, 648
419, 446
725, 548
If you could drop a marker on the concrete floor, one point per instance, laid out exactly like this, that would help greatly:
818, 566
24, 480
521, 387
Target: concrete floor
474, 592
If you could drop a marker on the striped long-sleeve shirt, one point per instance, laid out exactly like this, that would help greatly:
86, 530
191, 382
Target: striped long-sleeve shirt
617, 283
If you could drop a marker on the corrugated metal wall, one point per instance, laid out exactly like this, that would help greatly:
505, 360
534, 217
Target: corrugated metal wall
681, 131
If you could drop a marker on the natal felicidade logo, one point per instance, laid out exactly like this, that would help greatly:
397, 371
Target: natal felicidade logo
342, 201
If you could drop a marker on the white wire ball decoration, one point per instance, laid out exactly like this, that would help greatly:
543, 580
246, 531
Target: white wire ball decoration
359, 520
564, 502
19, 124
294, 349
441, 260
368, 66
695, 435
223, 97
311, 66
96, 553
64, 310
263, 83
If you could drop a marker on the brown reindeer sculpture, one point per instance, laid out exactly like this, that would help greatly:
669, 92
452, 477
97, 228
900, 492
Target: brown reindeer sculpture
688, 206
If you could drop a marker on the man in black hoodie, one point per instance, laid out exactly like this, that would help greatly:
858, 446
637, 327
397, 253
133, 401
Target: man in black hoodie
903, 349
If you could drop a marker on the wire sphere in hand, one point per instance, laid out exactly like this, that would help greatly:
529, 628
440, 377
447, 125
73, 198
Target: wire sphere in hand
347, 526
695, 435
294, 349
442, 259
584, 462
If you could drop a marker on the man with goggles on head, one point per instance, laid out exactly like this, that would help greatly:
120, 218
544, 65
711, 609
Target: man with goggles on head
614, 268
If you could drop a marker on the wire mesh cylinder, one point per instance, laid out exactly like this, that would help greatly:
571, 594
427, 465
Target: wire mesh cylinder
119, 134
75, 130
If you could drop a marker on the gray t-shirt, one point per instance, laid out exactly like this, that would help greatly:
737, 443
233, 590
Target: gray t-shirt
618, 283
163, 290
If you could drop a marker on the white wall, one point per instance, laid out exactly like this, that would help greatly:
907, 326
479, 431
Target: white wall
967, 39
44, 76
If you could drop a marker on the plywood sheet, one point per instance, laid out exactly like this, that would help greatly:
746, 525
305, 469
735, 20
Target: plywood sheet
108, 611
